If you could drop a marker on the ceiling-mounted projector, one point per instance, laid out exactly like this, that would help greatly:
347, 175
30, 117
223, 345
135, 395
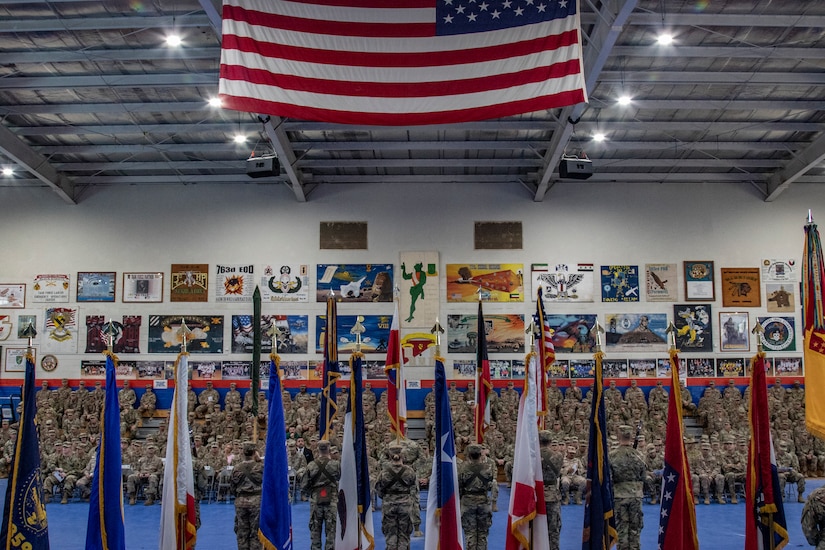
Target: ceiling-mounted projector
262, 167
575, 168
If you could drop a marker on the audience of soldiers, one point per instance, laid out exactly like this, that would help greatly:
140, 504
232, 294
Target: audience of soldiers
69, 425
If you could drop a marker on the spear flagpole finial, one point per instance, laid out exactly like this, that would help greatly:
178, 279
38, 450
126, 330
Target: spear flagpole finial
671, 335
184, 334
758, 331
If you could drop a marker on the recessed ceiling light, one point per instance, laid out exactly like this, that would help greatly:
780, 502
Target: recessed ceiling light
665, 39
8, 172
599, 137
173, 40
240, 138
215, 102
624, 100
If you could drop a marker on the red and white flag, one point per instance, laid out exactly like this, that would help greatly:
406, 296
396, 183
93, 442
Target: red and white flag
400, 63
396, 392
177, 515
527, 519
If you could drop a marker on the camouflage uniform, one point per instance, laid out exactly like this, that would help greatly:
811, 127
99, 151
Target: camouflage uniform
475, 479
126, 396
813, 519
393, 486
734, 466
710, 474
321, 483
246, 481
788, 467
149, 470
148, 402
628, 472
572, 478
551, 465
655, 465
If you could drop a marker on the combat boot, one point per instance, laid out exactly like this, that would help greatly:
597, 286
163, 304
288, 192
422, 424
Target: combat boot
722, 499
577, 499
150, 500
565, 500
132, 499
800, 499
734, 499
65, 499
707, 500
47, 497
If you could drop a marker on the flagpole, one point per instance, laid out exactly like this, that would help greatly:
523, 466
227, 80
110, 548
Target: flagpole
181, 530
757, 331
398, 378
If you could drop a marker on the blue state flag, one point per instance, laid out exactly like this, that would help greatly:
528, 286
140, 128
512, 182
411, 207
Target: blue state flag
105, 530
24, 516
275, 523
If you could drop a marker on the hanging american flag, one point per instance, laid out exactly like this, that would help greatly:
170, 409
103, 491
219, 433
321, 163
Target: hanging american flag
400, 62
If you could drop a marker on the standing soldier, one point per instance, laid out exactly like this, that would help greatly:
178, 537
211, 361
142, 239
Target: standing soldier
551, 465
474, 481
813, 519
246, 481
394, 487
628, 472
321, 483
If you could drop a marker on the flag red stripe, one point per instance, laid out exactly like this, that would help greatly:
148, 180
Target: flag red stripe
336, 28
276, 51
525, 501
252, 105
370, 3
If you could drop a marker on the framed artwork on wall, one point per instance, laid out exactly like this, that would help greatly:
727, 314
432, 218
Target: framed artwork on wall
12, 295
96, 286
143, 287
699, 281
740, 287
16, 359
734, 333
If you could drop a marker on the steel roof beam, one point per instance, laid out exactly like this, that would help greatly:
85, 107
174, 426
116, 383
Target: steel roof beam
133, 21
811, 156
286, 154
96, 54
14, 148
182, 79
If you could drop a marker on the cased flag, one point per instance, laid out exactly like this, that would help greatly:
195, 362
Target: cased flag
275, 521
599, 521
354, 529
677, 514
329, 405
813, 274
485, 384
396, 390
177, 514
765, 525
444, 530
392, 62
25, 526
105, 530
527, 516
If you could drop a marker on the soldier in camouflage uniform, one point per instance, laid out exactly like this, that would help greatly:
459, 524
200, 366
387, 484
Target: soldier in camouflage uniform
149, 469
126, 396
246, 481
788, 468
734, 467
813, 519
628, 472
655, 465
710, 475
148, 402
551, 464
321, 483
394, 486
64, 471
572, 479
474, 482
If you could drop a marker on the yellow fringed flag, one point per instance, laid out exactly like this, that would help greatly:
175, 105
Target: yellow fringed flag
812, 277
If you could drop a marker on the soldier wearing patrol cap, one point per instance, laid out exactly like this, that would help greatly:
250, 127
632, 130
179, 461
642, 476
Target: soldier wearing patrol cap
628, 472
475, 479
321, 483
246, 481
394, 486
551, 465
572, 479
148, 472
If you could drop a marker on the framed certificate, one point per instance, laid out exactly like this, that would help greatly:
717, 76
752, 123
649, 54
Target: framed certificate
96, 286
12, 295
699, 281
143, 287
16, 359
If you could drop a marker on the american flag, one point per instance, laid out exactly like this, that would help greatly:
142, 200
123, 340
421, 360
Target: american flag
400, 62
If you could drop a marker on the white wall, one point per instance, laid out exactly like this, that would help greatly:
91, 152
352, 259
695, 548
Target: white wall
147, 228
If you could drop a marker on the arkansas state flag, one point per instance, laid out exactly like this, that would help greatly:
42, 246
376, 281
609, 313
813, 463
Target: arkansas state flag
177, 514
443, 511
765, 525
677, 517
396, 392
527, 496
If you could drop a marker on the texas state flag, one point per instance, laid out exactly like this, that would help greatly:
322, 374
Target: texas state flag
443, 510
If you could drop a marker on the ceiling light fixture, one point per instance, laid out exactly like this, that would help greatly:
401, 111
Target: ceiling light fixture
624, 100
8, 172
215, 102
664, 39
599, 137
173, 40
239, 138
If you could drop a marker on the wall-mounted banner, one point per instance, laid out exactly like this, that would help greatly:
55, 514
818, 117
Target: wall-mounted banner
498, 282
564, 282
285, 283
206, 333
355, 282
234, 282
50, 288
420, 294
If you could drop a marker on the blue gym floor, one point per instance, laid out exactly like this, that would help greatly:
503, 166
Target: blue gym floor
721, 527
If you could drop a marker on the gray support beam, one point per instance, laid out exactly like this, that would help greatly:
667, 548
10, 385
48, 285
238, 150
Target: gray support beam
37, 164
602, 40
280, 142
68, 24
796, 168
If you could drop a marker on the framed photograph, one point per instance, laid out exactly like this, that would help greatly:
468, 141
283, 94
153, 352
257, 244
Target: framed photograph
699, 281
142, 287
189, 283
694, 327
12, 295
740, 287
16, 359
96, 286
734, 333
788, 366
730, 367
